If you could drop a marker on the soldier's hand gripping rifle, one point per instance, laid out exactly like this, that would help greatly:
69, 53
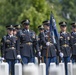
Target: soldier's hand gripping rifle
48, 45
19, 60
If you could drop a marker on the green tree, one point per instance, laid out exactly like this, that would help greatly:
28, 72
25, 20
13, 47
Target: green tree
38, 11
69, 7
35, 17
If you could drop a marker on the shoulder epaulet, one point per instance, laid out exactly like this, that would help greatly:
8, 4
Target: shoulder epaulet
20, 32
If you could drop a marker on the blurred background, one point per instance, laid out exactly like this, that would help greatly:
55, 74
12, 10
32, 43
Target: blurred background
14, 11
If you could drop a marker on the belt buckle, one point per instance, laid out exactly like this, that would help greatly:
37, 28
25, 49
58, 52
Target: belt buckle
29, 43
65, 45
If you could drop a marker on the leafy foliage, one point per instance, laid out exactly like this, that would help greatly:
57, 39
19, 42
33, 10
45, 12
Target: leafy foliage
14, 11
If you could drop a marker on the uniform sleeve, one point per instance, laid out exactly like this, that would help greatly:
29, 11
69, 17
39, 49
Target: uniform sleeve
18, 41
58, 43
18, 46
70, 42
42, 39
35, 43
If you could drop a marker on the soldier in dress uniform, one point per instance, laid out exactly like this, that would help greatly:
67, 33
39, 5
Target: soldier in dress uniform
16, 29
28, 43
10, 48
64, 44
48, 49
73, 42
41, 34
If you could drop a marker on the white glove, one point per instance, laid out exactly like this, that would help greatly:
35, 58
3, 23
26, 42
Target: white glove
2, 58
47, 43
61, 54
18, 56
39, 53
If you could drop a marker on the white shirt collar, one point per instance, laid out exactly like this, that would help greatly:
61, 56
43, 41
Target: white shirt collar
11, 35
63, 32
